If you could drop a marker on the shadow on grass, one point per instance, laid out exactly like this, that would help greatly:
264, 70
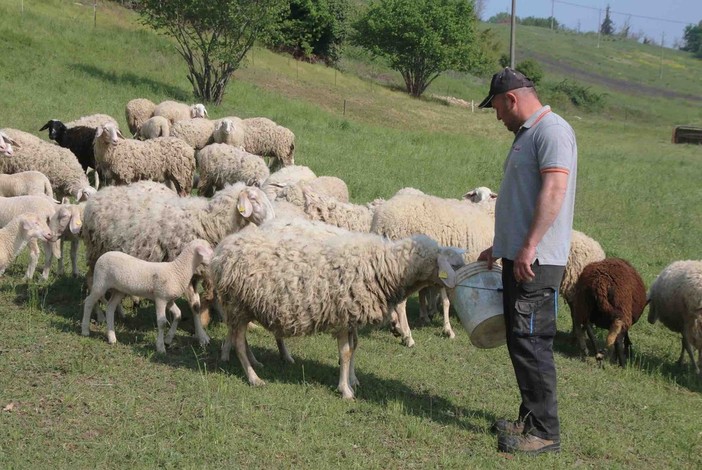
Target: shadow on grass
130, 79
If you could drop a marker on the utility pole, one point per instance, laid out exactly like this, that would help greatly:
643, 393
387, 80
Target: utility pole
599, 26
511, 34
553, 2
660, 69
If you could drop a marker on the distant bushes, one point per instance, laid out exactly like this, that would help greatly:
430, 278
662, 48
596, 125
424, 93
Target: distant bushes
529, 67
577, 94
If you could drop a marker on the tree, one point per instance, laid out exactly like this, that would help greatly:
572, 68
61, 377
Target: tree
607, 27
692, 39
213, 36
312, 29
502, 18
531, 69
421, 38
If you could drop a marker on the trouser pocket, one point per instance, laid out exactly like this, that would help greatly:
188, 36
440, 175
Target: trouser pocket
535, 313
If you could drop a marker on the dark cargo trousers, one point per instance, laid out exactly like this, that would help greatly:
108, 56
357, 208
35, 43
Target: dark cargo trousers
530, 319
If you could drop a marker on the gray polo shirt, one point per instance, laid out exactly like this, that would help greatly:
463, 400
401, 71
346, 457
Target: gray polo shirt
545, 142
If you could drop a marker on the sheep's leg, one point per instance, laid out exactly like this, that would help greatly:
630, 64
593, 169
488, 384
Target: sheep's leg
353, 342
110, 314
687, 346
241, 353
48, 257
573, 333
620, 349
227, 345
615, 331
345, 354
403, 325
74, 257
173, 308
161, 322
424, 295
591, 336
252, 359
194, 302
59, 267
446, 304
580, 340
33, 247
283, 351
90, 302
681, 359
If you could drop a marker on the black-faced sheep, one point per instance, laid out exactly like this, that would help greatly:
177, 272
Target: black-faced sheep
78, 139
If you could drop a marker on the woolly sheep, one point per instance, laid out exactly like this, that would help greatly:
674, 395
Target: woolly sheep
157, 126
196, 132
94, 121
126, 160
229, 131
174, 111
299, 285
480, 194
261, 136
67, 224
323, 208
284, 177
148, 221
675, 298
161, 282
137, 112
77, 139
25, 183
45, 209
609, 294
56, 163
221, 164
17, 233
449, 221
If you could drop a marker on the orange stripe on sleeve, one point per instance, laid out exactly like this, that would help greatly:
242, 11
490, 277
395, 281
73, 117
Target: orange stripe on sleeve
555, 170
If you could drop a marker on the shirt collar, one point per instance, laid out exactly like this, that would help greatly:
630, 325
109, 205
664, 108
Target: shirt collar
536, 116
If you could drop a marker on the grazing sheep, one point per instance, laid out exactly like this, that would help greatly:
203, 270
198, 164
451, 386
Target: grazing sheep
174, 111
229, 131
67, 224
157, 126
148, 221
609, 294
323, 208
480, 194
137, 112
195, 132
675, 298
284, 177
77, 139
93, 120
449, 221
296, 284
161, 282
56, 163
259, 136
123, 161
25, 183
21, 230
221, 164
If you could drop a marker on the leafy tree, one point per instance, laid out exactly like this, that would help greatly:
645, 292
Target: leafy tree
607, 27
421, 38
540, 22
313, 29
532, 69
502, 17
213, 36
692, 39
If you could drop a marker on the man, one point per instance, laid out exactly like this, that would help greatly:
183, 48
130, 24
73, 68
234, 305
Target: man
533, 222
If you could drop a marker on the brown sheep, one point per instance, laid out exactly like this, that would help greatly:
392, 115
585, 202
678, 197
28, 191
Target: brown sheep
609, 294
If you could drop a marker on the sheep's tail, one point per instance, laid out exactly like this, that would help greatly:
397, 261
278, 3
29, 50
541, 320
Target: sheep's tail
48, 190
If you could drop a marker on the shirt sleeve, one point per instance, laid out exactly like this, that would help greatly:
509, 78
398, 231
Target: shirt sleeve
555, 148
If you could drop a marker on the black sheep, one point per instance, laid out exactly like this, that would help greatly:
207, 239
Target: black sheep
609, 294
78, 139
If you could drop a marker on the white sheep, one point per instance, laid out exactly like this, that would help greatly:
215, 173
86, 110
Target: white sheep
93, 120
56, 163
45, 209
67, 223
675, 298
123, 161
162, 283
195, 132
480, 194
229, 131
284, 177
221, 164
156, 126
299, 285
21, 230
261, 136
137, 112
25, 183
175, 111
148, 221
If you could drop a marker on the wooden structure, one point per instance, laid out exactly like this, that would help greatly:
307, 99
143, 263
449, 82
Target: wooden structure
687, 135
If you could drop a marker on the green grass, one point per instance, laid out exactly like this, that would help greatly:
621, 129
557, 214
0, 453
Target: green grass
78, 402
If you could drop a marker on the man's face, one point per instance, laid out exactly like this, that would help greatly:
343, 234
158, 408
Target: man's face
505, 110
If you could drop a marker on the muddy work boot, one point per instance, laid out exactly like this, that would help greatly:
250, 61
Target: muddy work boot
505, 426
526, 444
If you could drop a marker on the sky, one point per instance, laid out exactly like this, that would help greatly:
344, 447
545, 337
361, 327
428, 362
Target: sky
663, 19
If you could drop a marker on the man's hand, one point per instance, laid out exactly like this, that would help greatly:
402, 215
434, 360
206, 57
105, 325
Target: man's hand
522, 264
486, 255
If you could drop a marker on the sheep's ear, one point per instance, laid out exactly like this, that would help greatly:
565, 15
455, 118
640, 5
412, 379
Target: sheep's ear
205, 111
119, 133
65, 200
75, 224
99, 130
244, 205
11, 141
469, 194
46, 126
447, 275
493, 195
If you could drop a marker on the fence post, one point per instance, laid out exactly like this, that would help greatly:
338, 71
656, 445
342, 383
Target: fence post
344, 108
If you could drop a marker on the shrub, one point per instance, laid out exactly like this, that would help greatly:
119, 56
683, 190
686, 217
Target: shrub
532, 69
580, 95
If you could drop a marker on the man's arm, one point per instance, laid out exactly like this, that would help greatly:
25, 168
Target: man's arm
548, 205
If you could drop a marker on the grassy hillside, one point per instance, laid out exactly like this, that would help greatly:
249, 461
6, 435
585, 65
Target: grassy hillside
69, 401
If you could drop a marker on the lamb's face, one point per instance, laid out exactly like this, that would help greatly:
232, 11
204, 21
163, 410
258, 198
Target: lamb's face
198, 111
35, 227
109, 134
6, 144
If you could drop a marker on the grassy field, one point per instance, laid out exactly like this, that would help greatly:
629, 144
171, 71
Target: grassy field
68, 401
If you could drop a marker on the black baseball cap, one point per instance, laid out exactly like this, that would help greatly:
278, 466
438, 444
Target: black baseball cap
505, 80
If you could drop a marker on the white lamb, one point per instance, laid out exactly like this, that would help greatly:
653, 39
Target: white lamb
675, 298
299, 285
157, 126
161, 282
17, 233
67, 223
25, 183
137, 112
175, 111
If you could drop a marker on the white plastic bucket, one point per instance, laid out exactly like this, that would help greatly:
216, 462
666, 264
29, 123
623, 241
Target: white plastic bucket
477, 299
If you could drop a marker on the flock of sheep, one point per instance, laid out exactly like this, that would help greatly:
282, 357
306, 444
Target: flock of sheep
283, 248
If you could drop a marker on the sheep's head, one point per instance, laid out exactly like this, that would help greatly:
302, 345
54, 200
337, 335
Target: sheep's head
6, 144
225, 127
84, 194
448, 260
254, 205
480, 194
35, 227
198, 111
56, 129
203, 251
108, 134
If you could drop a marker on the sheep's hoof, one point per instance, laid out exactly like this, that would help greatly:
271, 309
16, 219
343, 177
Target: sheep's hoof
450, 334
204, 340
257, 382
347, 393
600, 359
409, 342
111, 338
85, 332
161, 349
